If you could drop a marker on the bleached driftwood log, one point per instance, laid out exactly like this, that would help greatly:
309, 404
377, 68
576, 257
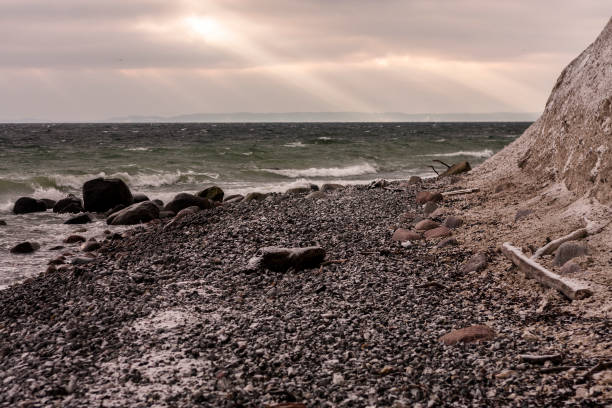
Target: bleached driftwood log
464, 191
552, 245
571, 289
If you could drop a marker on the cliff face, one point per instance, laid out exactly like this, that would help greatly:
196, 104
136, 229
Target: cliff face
572, 141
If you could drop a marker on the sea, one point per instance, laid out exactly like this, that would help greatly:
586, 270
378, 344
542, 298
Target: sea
163, 159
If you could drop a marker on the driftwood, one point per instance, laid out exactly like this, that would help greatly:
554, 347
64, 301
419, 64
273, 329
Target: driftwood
572, 289
606, 365
541, 359
434, 169
458, 192
552, 245
442, 163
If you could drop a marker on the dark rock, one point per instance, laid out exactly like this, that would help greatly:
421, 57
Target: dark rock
139, 198
470, 334
56, 248
48, 202
425, 225
2, 223
520, 214
102, 194
135, 214
429, 207
213, 193
113, 210
404, 235
567, 251
316, 195
25, 248
70, 204
453, 222
457, 168
73, 239
184, 200
79, 219
183, 213
255, 196
313, 187
233, 198
331, 187
427, 196
25, 205
281, 259
90, 246
158, 203
167, 214
475, 264
81, 260
414, 180
298, 190
569, 267
447, 242
438, 232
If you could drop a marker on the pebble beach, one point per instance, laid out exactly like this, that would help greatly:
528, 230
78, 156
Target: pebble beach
169, 315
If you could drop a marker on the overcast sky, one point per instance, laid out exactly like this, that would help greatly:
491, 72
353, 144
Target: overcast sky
90, 60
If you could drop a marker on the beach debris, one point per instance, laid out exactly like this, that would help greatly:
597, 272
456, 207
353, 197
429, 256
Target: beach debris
69, 204
438, 232
567, 251
570, 288
102, 194
402, 235
184, 200
541, 359
281, 259
426, 224
457, 168
71, 239
470, 334
476, 263
460, 192
79, 219
140, 197
453, 222
552, 245
25, 205
423, 197
378, 183
601, 366
213, 193
135, 214
26, 247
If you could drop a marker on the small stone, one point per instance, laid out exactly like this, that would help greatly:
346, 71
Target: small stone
427, 196
403, 235
505, 374
475, 264
439, 232
453, 222
469, 335
414, 180
425, 225
429, 208
74, 238
337, 379
570, 267
447, 242
520, 214
569, 250
386, 370
90, 246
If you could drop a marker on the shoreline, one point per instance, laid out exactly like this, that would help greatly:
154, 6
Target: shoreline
167, 317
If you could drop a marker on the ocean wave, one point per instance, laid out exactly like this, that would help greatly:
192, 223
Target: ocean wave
479, 153
355, 170
138, 149
295, 144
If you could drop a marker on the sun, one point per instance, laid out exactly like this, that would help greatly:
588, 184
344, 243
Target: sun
207, 28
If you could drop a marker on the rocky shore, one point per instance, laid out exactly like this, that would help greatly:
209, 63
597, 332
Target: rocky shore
171, 313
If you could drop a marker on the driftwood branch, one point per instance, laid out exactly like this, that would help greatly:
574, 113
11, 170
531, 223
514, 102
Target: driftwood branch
572, 289
552, 245
541, 359
434, 169
442, 163
458, 192
395, 189
606, 365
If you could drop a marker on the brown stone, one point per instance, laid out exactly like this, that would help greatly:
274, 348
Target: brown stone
569, 267
429, 208
453, 222
423, 197
457, 168
74, 238
470, 334
569, 250
475, 264
403, 235
425, 225
447, 242
439, 232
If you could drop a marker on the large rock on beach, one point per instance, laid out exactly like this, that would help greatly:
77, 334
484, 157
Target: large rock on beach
71, 239
281, 259
423, 197
403, 235
453, 222
255, 196
213, 193
184, 200
425, 225
102, 194
439, 232
331, 187
140, 197
135, 214
25, 205
49, 203
470, 334
79, 219
25, 247
70, 204
569, 250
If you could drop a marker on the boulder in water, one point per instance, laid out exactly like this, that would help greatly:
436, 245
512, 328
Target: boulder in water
184, 200
70, 204
79, 219
213, 193
73, 239
48, 202
25, 248
140, 197
135, 214
102, 194
25, 205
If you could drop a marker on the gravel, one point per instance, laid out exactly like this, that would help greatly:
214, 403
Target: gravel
172, 317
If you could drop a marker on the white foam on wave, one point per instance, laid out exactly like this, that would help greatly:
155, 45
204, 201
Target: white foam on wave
295, 144
138, 149
479, 153
324, 138
355, 170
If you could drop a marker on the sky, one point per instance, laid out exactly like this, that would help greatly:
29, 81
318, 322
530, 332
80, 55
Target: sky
83, 60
